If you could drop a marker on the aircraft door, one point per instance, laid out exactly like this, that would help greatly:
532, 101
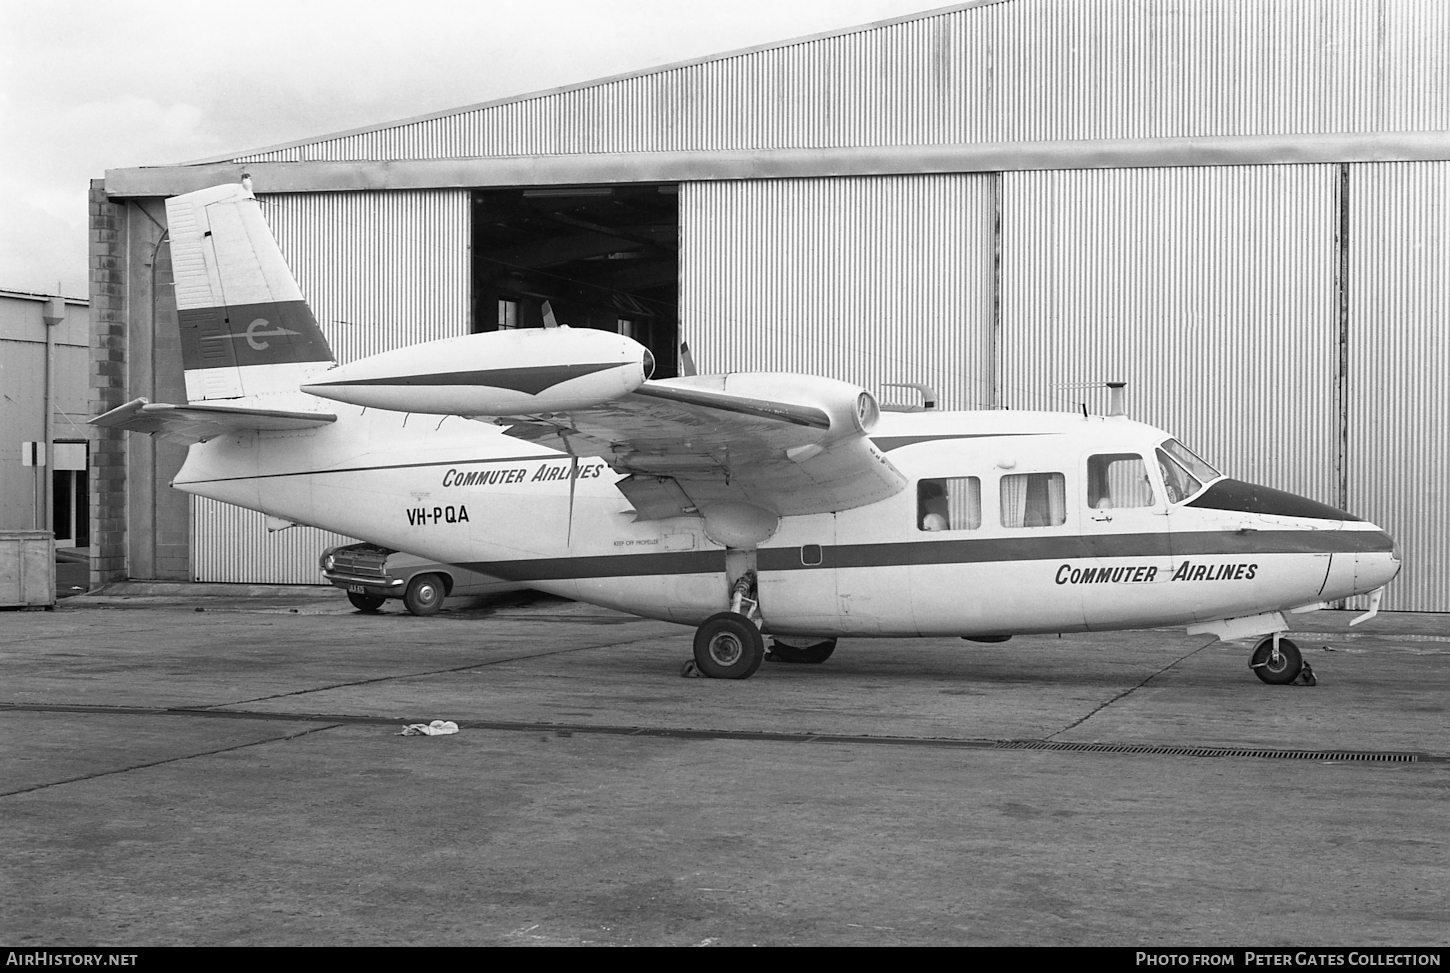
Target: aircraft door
1126, 538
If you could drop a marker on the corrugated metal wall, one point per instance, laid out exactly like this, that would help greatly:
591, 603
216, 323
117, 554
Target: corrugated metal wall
867, 280
1211, 291
380, 270
1016, 70
1399, 382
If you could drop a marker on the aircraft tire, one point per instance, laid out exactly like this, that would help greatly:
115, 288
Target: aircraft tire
424, 595
728, 646
810, 654
1287, 669
365, 603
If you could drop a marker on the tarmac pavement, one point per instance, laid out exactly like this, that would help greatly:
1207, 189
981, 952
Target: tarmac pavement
219, 765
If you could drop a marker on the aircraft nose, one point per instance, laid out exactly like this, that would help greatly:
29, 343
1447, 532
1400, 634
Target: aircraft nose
1377, 564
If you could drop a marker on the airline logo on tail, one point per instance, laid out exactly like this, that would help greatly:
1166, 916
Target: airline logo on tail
254, 331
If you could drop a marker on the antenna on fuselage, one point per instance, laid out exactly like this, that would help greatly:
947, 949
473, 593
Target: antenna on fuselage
1116, 398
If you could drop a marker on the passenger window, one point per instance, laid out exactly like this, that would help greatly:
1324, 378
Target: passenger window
1179, 483
1118, 480
1034, 500
950, 503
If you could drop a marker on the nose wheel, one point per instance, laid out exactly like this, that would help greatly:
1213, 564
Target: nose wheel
1276, 661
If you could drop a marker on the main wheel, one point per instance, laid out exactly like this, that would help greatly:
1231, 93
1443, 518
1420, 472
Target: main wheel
365, 603
1276, 672
424, 595
728, 646
812, 654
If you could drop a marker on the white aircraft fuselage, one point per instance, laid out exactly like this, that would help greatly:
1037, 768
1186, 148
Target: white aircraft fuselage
460, 491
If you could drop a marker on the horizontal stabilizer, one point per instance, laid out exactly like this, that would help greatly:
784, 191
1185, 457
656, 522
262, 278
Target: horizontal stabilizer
196, 423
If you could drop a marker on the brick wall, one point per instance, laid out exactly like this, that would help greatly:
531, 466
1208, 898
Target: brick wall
108, 386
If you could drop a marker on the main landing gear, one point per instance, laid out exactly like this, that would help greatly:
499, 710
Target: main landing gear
729, 645
811, 654
1278, 662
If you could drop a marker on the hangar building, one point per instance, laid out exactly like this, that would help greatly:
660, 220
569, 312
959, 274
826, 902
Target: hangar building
43, 369
1240, 207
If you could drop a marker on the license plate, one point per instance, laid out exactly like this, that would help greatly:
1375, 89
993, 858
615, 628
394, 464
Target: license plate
357, 589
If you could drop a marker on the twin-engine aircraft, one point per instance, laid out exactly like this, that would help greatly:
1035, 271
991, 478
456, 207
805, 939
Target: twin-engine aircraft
746, 505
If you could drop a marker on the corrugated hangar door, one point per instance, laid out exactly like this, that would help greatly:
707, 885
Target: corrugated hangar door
1212, 291
1399, 376
380, 270
870, 280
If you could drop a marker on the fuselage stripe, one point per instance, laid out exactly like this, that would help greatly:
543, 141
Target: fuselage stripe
994, 550
442, 464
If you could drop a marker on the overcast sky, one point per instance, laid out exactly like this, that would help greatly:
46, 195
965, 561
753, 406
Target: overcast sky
91, 85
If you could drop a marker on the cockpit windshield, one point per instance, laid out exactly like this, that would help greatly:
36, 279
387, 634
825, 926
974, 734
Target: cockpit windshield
1191, 461
1184, 472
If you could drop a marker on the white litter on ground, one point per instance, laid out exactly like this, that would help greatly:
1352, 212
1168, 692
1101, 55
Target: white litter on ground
434, 729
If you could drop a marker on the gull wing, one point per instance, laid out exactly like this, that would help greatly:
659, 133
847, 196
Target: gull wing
791, 444
195, 423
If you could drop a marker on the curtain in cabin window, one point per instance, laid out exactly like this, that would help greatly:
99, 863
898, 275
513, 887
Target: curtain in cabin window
1033, 499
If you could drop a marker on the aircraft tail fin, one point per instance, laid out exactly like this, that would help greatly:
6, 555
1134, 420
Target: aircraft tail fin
245, 329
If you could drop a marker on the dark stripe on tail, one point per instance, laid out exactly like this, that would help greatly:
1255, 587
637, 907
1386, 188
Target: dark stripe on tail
250, 334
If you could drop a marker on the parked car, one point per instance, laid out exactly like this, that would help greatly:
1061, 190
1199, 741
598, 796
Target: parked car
370, 575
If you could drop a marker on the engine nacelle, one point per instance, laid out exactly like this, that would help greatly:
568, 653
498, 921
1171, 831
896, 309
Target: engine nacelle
499, 373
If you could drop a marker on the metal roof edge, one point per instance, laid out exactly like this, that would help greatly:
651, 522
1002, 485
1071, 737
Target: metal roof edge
596, 82
693, 166
33, 296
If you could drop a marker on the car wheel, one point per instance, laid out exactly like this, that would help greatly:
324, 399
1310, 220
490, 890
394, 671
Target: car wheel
424, 595
365, 603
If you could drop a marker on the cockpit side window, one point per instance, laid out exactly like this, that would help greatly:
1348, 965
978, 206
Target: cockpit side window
1118, 481
949, 503
1179, 483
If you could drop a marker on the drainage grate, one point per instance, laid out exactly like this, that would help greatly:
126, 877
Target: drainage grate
1340, 755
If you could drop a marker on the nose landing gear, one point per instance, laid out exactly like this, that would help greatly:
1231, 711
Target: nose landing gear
1277, 661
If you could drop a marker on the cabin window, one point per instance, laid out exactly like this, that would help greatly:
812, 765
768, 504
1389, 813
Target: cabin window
950, 503
1118, 480
1179, 483
1034, 500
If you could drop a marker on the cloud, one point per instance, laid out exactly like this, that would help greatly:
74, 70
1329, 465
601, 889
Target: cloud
39, 250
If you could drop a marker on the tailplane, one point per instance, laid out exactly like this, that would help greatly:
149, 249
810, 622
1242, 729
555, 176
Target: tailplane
245, 329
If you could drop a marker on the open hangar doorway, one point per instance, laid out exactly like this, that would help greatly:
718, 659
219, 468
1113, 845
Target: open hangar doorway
604, 257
